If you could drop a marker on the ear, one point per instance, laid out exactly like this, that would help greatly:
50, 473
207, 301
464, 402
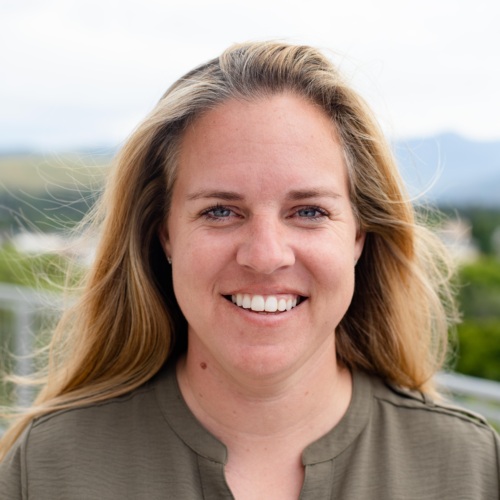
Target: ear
164, 240
359, 244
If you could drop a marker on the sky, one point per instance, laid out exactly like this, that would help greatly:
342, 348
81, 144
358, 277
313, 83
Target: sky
82, 73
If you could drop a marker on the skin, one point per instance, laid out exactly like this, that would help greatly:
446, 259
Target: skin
261, 206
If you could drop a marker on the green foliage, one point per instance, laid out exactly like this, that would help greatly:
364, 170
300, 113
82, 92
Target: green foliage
479, 334
480, 292
484, 272
479, 348
46, 271
483, 222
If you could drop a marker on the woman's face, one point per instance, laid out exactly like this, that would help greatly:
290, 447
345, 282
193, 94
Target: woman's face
262, 236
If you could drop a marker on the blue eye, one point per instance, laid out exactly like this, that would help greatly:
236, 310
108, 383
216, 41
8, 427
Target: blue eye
307, 212
217, 213
311, 213
220, 212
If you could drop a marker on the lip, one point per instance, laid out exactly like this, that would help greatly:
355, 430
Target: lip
265, 290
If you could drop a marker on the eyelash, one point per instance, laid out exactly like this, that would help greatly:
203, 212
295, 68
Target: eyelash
208, 212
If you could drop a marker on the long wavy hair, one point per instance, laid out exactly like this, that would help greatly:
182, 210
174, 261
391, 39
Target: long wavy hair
126, 322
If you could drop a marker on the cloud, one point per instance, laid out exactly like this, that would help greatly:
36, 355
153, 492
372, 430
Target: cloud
82, 71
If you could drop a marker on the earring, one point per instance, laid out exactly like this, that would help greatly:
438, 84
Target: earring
169, 259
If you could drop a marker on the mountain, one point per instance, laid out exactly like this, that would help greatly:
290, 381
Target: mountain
451, 170
445, 169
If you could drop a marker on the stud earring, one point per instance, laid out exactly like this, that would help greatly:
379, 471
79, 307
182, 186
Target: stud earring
169, 260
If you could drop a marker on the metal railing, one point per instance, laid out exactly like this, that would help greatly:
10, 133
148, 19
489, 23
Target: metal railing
476, 394
21, 309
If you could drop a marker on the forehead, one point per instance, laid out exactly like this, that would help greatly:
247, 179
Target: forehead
269, 138
285, 110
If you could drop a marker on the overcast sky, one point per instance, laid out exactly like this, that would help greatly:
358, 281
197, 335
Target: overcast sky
83, 73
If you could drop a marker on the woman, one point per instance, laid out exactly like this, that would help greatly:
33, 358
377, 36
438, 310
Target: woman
264, 315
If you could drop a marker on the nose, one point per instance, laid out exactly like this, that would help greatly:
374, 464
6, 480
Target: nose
265, 248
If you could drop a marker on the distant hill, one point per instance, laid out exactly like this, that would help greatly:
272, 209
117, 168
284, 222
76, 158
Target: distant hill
48, 191
453, 170
38, 173
445, 169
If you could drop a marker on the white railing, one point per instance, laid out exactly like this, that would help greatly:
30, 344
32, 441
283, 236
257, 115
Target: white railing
22, 310
23, 306
476, 394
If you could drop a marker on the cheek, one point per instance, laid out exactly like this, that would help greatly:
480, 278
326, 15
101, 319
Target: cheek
332, 269
331, 252
198, 263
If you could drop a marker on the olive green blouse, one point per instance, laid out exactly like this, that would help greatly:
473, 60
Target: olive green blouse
391, 444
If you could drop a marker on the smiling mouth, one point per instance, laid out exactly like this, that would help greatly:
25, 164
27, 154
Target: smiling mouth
265, 303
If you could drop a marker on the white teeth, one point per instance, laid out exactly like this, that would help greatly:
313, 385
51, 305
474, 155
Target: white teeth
271, 304
246, 302
259, 303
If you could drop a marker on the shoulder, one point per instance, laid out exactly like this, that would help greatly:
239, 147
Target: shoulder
412, 446
433, 425
419, 405
92, 429
107, 415
102, 425
66, 433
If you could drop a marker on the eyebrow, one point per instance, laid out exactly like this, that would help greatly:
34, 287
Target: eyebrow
294, 195
221, 195
299, 194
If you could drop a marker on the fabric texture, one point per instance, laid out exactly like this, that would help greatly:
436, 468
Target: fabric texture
391, 444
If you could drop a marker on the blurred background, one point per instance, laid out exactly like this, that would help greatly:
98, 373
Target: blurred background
77, 77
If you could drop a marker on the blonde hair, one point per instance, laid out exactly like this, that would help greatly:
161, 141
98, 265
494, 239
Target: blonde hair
127, 324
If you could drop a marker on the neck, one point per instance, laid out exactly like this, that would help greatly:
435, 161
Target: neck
304, 404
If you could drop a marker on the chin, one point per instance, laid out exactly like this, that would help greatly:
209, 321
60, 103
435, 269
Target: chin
263, 363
